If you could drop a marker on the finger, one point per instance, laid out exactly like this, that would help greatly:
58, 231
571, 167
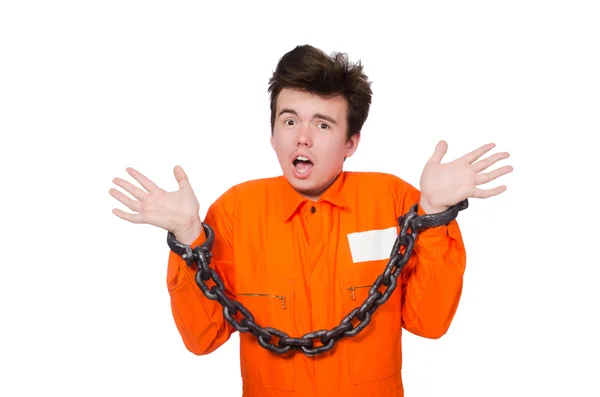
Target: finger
130, 188
145, 182
148, 218
439, 152
490, 176
181, 176
485, 163
475, 154
129, 203
481, 193
133, 218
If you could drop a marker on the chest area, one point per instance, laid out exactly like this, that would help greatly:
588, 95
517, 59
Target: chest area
319, 244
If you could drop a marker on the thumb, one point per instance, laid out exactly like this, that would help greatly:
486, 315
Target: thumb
439, 152
181, 177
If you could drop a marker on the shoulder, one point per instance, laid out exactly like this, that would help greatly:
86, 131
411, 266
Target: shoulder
247, 191
381, 189
378, 181
254, 188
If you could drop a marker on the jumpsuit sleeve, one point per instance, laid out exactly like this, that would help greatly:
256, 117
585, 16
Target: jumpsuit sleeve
199, 320
432, 280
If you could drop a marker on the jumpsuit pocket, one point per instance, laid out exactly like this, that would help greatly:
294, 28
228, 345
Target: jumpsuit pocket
272, 308
375, 352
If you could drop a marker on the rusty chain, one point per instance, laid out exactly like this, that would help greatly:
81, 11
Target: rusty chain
410, 224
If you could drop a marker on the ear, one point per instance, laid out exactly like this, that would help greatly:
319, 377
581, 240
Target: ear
352, 144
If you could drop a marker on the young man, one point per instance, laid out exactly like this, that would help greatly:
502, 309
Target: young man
300, 251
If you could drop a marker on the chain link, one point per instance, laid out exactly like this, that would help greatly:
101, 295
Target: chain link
320, 341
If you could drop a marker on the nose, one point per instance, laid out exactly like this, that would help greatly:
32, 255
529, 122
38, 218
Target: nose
304, 137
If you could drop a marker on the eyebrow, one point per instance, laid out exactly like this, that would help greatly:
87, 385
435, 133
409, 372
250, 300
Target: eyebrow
315, 116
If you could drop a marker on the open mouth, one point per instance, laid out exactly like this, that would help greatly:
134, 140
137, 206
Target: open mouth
302, 164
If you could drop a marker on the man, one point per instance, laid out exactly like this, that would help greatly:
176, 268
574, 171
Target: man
300, 251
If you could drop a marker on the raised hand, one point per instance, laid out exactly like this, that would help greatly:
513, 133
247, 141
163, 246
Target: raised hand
177, 212
444, 185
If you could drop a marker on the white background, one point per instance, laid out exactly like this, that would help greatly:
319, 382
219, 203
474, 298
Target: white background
90, 88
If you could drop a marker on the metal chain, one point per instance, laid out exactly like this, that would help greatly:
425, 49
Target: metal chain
320, 341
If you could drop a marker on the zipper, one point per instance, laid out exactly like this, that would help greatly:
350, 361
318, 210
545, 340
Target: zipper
280, 297
352, 289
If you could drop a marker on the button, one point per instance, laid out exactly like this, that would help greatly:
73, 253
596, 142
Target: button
313, 209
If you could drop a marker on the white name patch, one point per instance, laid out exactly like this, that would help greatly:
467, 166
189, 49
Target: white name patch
372, 245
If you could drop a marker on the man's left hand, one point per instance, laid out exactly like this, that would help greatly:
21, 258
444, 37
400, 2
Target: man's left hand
444, 185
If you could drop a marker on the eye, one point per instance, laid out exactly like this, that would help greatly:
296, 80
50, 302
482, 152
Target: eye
326, 126
288, 121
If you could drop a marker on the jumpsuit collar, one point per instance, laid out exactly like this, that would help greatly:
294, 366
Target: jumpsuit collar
291, 200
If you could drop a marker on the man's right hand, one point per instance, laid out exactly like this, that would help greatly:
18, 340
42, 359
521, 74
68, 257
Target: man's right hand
177, 212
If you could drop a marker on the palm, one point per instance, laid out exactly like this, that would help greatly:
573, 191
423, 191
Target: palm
172, 211
444, 185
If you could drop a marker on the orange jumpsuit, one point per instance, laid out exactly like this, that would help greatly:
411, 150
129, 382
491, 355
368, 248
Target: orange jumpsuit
301, 266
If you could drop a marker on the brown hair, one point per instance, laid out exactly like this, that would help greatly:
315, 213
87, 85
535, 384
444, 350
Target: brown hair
310, 69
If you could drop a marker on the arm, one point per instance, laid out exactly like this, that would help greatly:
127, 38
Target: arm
432, 279
200, 320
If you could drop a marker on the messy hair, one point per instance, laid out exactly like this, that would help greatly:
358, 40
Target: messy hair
310, 69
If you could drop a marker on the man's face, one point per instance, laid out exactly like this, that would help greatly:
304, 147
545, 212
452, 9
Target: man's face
314, 127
